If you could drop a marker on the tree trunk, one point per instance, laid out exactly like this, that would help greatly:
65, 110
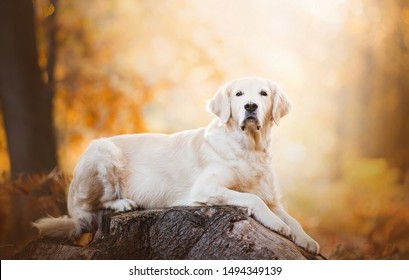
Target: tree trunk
26, 103
175, 233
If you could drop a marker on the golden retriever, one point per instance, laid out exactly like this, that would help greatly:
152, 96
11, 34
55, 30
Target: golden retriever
229, 162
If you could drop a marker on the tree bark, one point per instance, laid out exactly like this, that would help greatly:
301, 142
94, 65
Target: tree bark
26, 103
175, 233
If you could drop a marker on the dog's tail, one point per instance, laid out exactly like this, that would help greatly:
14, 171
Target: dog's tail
61, 227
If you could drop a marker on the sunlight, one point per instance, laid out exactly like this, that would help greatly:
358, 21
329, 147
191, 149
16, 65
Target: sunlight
140, 66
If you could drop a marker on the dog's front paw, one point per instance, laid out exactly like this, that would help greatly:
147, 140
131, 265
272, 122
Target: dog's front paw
284, 230
271, 221
279, 227
307, 243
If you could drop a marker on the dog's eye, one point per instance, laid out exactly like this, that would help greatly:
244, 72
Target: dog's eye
263, 93
239, 93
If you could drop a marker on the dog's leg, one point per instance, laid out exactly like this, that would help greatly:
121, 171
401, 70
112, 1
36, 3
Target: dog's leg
98, 179
214, 195
298, 235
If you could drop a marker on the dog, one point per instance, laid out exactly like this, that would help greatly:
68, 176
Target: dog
229, 162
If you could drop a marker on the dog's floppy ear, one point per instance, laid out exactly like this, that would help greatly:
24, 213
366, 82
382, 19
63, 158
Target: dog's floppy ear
281, 103
219, 105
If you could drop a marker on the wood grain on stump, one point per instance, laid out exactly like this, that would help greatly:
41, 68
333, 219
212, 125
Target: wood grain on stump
222, 232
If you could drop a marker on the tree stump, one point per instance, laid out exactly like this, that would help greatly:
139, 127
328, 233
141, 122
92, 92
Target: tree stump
222, 232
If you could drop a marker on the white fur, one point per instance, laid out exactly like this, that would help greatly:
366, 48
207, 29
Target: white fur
227, 163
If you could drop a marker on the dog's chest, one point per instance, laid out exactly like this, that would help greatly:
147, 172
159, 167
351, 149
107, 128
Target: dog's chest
253, 173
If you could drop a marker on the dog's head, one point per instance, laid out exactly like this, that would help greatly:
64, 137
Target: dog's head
251, 103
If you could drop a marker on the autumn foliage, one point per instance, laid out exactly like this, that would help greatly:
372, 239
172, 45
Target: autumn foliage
342, 154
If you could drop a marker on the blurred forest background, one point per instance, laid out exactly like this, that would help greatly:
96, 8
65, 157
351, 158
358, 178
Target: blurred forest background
72, 71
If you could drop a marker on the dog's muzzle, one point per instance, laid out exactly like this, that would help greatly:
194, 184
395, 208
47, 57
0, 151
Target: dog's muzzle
250, 116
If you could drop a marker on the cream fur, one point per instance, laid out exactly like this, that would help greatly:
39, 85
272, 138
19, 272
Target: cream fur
227, 163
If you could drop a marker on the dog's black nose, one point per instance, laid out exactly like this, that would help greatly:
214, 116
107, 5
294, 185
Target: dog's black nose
251, 107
